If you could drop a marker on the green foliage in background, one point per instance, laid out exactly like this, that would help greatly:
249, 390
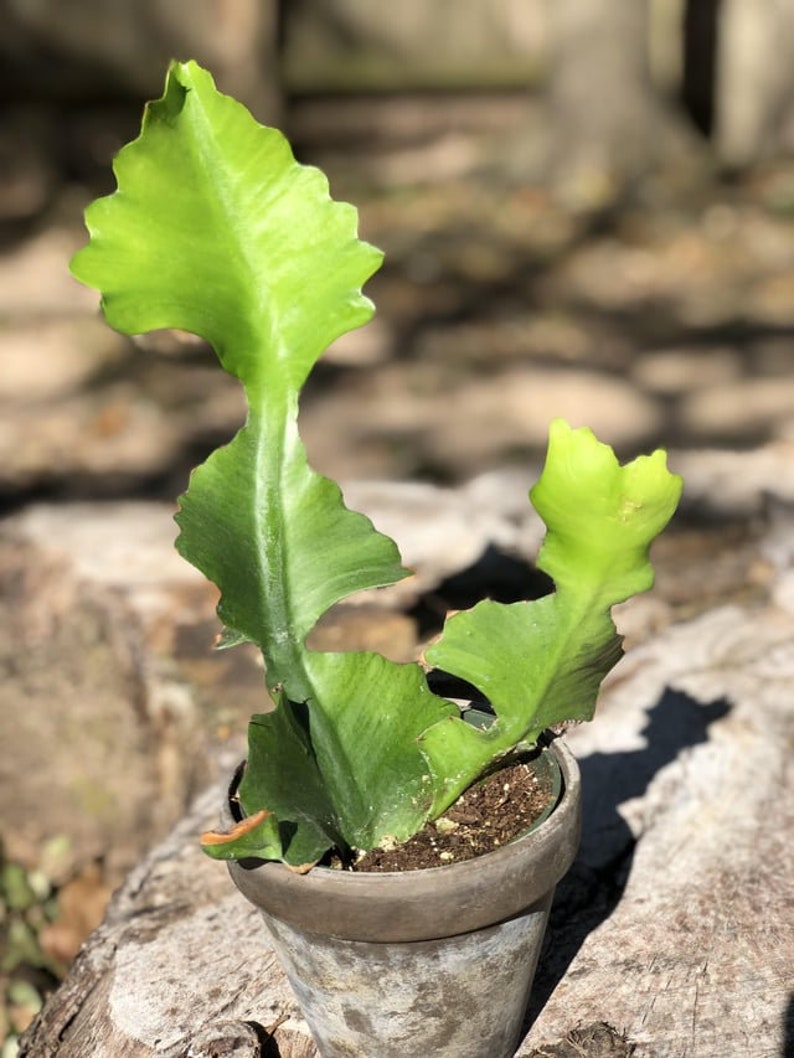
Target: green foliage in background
28, 906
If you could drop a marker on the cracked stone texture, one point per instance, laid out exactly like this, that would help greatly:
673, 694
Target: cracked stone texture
672, 932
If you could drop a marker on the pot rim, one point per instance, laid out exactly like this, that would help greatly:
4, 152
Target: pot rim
435, 901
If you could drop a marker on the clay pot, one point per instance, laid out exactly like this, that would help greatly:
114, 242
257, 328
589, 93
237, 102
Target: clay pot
436, 962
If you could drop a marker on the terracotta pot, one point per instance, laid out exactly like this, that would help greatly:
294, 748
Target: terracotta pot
437, 962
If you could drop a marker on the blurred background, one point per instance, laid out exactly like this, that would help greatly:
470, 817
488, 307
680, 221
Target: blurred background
586, 208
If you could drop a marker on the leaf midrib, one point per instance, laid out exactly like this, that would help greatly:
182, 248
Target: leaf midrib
278, 611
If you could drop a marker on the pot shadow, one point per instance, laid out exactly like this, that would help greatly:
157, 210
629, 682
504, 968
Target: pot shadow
591, 890
788, 1029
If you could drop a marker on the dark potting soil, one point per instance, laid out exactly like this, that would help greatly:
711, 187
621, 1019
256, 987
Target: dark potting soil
486, 816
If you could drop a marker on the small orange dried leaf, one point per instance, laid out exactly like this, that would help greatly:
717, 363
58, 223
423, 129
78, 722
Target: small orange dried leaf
245, 826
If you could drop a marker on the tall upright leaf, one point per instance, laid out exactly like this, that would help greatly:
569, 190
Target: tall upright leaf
217, 230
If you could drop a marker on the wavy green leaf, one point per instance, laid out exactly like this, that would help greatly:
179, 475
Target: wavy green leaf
217, 230
542, 662
356, 750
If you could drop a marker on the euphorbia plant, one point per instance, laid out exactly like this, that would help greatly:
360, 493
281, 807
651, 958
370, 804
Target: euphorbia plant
217, 230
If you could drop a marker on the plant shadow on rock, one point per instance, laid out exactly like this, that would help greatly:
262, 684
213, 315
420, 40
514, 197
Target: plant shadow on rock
496, 574
788, 1029
591, 890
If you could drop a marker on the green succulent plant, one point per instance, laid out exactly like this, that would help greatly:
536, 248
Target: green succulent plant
215, 229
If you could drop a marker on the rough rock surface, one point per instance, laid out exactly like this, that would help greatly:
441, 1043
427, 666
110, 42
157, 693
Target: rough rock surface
672, 932
97, 722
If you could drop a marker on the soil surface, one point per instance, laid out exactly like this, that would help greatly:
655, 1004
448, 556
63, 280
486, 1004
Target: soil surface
488, 815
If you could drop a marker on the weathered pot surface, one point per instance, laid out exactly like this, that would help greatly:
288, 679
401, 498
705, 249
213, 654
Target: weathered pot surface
422, 905
437, 961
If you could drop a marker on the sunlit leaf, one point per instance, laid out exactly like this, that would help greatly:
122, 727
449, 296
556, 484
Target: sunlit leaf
540, 663
217, 230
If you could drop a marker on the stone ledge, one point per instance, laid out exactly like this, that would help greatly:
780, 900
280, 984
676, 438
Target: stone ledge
673, 925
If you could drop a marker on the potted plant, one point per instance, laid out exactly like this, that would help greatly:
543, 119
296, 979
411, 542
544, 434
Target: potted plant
217, 230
